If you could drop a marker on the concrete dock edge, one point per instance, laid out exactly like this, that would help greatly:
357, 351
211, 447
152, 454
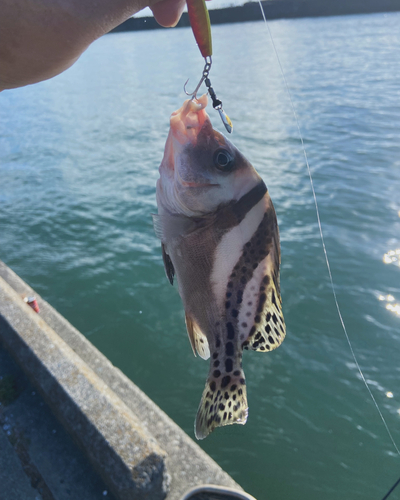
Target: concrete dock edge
138, 450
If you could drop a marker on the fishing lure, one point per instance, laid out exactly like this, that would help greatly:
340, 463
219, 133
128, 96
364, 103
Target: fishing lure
201, 27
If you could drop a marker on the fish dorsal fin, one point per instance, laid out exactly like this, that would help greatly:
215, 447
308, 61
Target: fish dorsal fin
268, 330
168, 266
197, 338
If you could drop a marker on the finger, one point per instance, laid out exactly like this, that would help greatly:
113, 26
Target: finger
168, 12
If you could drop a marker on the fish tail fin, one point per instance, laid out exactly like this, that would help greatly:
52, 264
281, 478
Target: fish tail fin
224, 402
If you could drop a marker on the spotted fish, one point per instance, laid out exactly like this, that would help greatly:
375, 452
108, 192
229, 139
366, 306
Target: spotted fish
220, 239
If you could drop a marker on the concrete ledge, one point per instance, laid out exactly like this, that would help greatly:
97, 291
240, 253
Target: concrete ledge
185, 462
120, 449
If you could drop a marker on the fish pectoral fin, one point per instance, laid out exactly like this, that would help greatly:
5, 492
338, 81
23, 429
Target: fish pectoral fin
269, 328
224, 402
197, 338
168, 266
167, 226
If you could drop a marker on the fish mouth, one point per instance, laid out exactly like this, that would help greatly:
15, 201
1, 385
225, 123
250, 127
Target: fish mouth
188, 121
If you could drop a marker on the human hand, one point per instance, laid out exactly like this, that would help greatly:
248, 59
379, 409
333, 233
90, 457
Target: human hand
41, 38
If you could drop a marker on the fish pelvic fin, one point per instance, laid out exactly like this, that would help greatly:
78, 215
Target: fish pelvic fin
198, 340
268, 330
168, 266
224, 402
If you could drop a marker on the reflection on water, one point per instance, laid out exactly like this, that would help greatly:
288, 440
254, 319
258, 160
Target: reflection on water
392, 257
391, 305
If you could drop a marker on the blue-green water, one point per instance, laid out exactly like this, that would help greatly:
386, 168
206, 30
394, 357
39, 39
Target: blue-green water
78, 165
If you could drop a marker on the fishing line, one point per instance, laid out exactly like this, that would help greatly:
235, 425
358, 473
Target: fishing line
323, 240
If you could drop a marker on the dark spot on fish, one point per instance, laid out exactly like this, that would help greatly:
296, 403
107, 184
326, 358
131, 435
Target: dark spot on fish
244, 324
218, 342
268, 317
236, 373
257, 319
228, 295
225, 415
230, 330
258, 336
215, 355
252, 331
235, 313
229, 349
234, 396
242, 381
244, 269
266, 279
248, 313
245, 344
249, 303
213, 386
262, 348
230, 404
202, 341
243, 280
228, 365
230, 415
233, 275
239, 296
274, 318
240, 392
262, 288
216, 373
216, 363
268, 347
227, 304
261, 302
268, 328
211, 408
226, 395
255, 344
207, 405
221, 407
230, 284
233, 388
273, 298
225, 381
271, 340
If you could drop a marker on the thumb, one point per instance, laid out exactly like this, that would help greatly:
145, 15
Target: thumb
168, 12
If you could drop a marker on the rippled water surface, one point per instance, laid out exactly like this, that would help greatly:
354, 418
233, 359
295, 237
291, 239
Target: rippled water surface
78, 165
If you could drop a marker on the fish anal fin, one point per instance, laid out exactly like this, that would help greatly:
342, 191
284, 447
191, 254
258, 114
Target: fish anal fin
197, 338
268, 330
224, 402
168, 266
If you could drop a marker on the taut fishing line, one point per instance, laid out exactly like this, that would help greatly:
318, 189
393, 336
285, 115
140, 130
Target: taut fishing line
323, 242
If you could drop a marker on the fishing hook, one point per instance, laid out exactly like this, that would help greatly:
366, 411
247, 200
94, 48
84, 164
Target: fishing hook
206, 71
217, 104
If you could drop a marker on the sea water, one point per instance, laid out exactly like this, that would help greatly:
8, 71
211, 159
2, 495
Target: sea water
78, 165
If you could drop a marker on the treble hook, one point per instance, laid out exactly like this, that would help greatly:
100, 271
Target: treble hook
206, 71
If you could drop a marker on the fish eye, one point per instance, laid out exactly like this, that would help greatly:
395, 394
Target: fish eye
223, 160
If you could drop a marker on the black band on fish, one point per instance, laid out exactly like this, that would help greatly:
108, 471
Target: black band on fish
249, 200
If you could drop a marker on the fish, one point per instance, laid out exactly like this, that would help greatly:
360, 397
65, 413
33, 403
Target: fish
220, 243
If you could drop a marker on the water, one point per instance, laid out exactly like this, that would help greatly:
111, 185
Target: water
78, 165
